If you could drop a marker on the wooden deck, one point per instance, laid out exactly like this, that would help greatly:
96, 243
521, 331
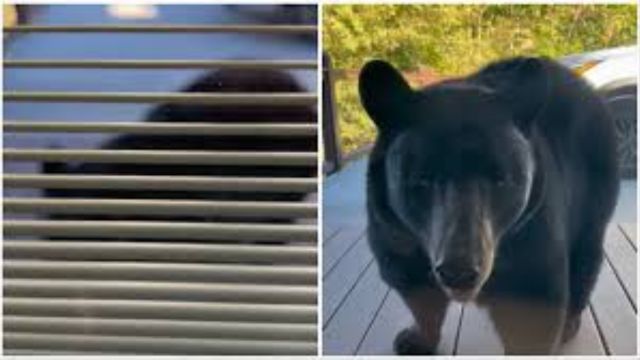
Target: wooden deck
361, 314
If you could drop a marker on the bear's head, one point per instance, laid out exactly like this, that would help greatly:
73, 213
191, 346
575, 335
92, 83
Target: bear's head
458, 161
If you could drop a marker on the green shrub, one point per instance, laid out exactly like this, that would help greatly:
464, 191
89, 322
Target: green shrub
457, 39
356, 129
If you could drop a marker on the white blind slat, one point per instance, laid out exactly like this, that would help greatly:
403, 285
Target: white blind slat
153, 309
148, 345
161, 64
246, 129
178, 183
192, 98
164, 328
172, 252
160, 271
168, 28
160, 290
235, 158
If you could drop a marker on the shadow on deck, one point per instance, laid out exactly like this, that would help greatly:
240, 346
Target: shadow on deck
361, 314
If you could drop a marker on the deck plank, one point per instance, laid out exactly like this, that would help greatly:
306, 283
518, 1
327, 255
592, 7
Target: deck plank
587, 341
351, 172
334, 250
361, 315
623, 260
338, 283
395, 316
614, 314
344, 334
329, 234
344, 197
631, 232
478, 335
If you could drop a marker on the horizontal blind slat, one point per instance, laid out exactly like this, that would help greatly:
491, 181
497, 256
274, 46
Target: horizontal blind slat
235, 158
271, 209
246, 129
32, 352
168, 28
151, 309
159, 271
162, 230
160, 64
179, 297
248, 99
160, 290
149, 345
181, 183
127, 250
161, 328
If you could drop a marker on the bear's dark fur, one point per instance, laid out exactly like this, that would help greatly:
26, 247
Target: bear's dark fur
497, 188
227, 81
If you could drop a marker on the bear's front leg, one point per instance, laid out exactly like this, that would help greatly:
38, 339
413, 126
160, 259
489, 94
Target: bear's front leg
429, 307
528, 327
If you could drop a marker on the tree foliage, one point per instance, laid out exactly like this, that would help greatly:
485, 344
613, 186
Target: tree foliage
457, 39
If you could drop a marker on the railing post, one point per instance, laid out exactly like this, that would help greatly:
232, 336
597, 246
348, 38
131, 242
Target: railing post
330, 133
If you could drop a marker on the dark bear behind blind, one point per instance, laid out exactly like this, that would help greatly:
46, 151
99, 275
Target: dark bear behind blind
227, 81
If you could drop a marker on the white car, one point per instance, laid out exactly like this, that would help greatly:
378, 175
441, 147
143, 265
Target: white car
614, 74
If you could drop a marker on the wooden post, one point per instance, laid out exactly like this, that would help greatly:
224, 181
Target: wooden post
330, 133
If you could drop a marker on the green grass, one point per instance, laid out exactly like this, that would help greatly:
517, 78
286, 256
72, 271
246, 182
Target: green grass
454, 40
356, 129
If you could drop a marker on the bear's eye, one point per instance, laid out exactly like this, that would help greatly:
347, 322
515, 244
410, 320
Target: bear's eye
503, 181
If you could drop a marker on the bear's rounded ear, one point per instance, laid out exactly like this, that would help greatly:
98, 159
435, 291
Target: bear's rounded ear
524, 84
384, 94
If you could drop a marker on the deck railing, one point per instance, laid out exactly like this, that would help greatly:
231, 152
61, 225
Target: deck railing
331, 140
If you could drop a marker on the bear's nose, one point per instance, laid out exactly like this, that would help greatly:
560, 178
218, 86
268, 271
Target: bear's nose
458, 275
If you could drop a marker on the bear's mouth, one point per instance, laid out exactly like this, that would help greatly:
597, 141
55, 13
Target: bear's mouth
462, 295
460, 285
463, 282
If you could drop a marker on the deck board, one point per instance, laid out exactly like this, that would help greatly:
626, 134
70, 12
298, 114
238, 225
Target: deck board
614, 314
393, 317
362, 316
478, 335
623, 258
587, 341
333, 250
338, 284
344, 334
630, 230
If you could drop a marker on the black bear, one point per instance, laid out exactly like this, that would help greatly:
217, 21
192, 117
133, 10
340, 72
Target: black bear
220, 81
494, 188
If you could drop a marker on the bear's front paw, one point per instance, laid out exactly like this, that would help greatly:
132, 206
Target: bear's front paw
411, 342
571, 327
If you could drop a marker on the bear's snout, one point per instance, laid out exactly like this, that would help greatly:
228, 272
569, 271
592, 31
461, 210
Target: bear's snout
458, 275
462, 253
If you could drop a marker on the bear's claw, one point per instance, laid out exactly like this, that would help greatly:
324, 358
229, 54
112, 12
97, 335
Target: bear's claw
411, 342
571, 327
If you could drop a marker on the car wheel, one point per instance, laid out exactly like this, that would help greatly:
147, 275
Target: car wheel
622, 102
